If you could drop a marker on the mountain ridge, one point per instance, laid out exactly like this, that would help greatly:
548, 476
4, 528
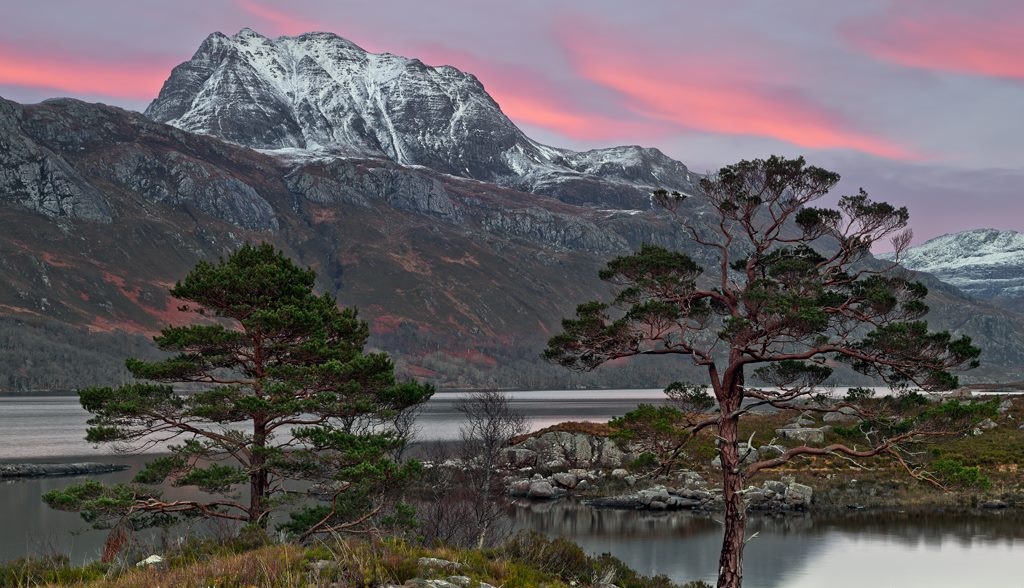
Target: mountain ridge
985, 263
322, 93
461, 278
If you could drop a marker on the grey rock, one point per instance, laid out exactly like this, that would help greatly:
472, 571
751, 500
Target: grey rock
842, 416
558, 463
582, 486
519, 457
995, 504
748, 455
434, 583
619, 473
770, 451
987, 425
466, 582
654, 494
798, 496
519, 488
439, 564
565, 480
804, 435
543, 489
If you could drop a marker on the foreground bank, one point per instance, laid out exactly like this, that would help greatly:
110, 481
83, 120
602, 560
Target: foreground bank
524, 561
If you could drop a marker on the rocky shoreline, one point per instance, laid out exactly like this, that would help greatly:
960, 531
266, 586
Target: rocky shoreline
590, 467
11, 471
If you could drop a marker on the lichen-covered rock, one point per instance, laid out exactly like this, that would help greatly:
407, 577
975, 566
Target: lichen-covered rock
748, 455
439, 564
803, 434
558, 450
543, 489
565, 479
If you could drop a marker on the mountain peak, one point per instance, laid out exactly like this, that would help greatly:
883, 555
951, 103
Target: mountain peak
321, 92
987, 263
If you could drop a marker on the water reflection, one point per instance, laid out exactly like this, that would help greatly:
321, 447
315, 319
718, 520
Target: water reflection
866, 549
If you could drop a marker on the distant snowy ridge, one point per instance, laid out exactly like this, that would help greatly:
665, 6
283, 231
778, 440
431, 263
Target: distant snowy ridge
986, 263
322, 94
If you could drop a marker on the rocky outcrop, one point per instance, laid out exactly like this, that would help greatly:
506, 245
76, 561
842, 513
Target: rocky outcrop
694, 494
559, 450
785, 495
36, 470
802, 430
36, 178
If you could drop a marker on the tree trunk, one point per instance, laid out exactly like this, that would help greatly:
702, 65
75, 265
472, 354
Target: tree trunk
258, 474
730, 563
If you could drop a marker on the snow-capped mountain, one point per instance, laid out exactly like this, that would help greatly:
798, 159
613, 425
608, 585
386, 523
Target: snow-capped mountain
985, 263
319, 92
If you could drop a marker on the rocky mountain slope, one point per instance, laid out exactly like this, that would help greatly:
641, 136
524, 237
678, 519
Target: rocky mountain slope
319, 93
464, 279
103, 209
985, 263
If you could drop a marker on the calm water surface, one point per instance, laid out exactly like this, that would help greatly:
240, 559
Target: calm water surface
875, 550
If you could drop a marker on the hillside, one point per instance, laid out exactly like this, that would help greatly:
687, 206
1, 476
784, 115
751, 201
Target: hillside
462, 272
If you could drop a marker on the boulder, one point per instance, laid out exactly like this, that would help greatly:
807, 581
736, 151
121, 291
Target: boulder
748, 455
844, 415
690, 480
519, 487
520, 457
436, 563
804, 435
153, 561
987, 425
620, 473
565, 480
582, 486
770, 451
654, 494
558, 463
542, 489
798, 496
466, 582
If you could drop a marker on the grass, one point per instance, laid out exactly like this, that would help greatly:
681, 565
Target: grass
525, 561
970, 467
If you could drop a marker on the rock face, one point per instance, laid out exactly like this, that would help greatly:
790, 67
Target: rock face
321, 93
36, 174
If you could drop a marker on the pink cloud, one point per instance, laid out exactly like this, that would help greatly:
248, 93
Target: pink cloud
68, 73
281, 22
531, 98
716, 93
989, 45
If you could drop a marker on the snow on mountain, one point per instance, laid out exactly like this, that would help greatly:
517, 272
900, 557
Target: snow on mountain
318, 92
986, 263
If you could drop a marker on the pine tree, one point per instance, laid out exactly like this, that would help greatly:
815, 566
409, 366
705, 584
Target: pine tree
269, 391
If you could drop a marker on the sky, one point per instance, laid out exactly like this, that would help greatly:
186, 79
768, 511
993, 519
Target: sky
920, 102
